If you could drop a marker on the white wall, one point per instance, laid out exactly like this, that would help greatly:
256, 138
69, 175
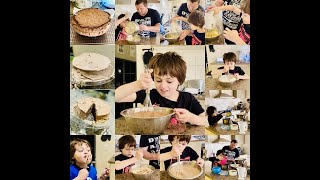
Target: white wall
104, 152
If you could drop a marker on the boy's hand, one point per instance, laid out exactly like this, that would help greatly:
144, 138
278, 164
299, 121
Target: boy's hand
231, 35
183, 115
223, 114
183, 34
176, 149
216, 10
237, 76
226, 68
200, 161
104, 174
139, 154
146, 80
83, 174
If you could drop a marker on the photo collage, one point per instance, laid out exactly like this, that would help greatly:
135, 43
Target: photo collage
159, 89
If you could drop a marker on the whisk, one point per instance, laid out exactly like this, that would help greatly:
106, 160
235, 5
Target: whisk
147, 101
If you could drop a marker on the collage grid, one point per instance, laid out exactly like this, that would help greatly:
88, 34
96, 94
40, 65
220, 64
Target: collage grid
159, 89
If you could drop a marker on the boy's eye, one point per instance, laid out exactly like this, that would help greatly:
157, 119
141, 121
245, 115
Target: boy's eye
158, 80
169, 82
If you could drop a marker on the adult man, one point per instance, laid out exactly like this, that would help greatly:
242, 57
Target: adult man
150, 146
183, 13
231, 151
147, 18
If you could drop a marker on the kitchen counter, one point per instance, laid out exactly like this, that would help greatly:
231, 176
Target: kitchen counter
165, 176
219, 177
144, 41
217, 41
121, 129
218, 131
165, 42
128, 176
213, 84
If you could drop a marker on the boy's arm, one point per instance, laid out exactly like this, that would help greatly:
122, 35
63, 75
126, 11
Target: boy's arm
245, 76
184, 116
185, 33
218, 72
127, 92
121, 19
150, 156
122, 164
200, 161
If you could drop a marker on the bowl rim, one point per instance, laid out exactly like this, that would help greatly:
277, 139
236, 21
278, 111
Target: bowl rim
136, 166
182, 162
235, 78
122, 113
171, 33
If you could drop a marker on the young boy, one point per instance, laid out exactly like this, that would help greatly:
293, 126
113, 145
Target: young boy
196, 22
169, 71
120, 24
80, 157
229, 60
125, 160
188, 154
213, 116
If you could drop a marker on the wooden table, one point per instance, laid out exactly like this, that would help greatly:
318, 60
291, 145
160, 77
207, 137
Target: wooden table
144, 41
213, 84
220, 177
217, 41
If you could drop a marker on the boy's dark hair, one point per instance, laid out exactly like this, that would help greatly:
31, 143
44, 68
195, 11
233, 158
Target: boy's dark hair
169, 63
195, 1
229, 57
126, 139
145, 2
234, 141
220, 151
121, 16
196, 18
180, 138
73, 144
210, 110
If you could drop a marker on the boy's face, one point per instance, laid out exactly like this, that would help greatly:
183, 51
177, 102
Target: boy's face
231, 64
123, 24
82, 153
166, 85
127, 151
245, 18
192, 6
182, 144
192, 27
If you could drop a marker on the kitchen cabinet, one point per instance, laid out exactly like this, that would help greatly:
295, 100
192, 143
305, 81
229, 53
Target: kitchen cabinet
125, 73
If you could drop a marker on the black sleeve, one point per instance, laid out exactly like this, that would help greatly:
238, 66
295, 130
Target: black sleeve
141, 95
193, 154
165, 150
220, 67
214, 120
224, 148
240, 71
144, 141
156, 17
119, 157
196, 108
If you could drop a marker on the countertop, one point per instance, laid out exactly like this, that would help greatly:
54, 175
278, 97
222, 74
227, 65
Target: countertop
120, 129
144, 41
219, 177
216, 129
165, 176
213, 84
217, 41
128, 176
165, 42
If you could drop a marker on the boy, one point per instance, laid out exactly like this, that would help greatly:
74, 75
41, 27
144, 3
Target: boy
169, 71
125, 160
120, 33
229, 60
188, 154
184, 11
196, 22
80, 157
213, 116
